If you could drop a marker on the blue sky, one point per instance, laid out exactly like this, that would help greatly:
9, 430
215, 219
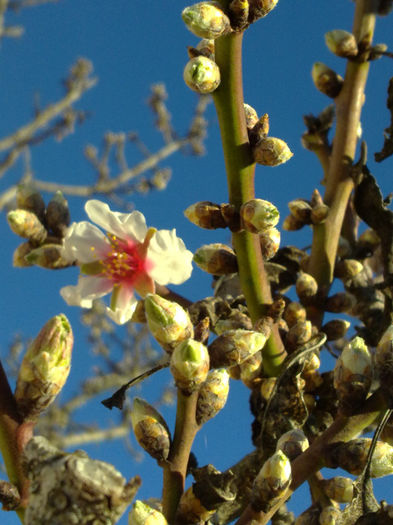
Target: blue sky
133, 45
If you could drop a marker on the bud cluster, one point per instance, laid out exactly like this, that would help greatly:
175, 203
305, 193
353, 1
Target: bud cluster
43, 226
304, 212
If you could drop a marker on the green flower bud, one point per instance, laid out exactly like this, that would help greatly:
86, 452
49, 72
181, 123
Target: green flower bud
189, 365
19, 256
326, 80
212, 395
216, 259
271, 481
251, 370
150, 429
347, 269
206, 214
335, 329
260, 8
206, 20
301, 209
258, 215
299, 334
30, 199
27, 225
251, 116
58, 215
353, 373
291, 224
206, 48
341, 43
235, 320
294, 312
293, 443
202, 75
306, 286
45, 367
270, 243
376, 52
168, 322
48, 256
339, 488
143, 514
271, 151
239, 11
352, 456
235, 346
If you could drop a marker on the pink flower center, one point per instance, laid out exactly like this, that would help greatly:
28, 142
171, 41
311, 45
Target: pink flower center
125, 262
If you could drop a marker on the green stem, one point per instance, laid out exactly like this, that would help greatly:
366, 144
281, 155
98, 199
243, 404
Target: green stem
13, 436
339, 184
240, 168
175, 469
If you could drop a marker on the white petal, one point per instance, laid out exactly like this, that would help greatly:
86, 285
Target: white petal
81, 238
172, 261
124, 307
87, 289
124, 225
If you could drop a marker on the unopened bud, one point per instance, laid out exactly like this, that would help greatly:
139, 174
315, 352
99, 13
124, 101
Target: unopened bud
150, 429
341, 43
260, 130
341, 302
352, 456
306, 286
191, 510
235, 320
48, 256
294, 312
58, 215
143, 514
299, 334
239, 11
30, 199
319, 213
293, 443
189, 365
353, 373
339, 489
235, 346
301, 209
45, 367
206, 20
27, 225
251, 116
370, 239
271, 151
291, 224
270, 243
260, 8
335, 329
168, 322
377, 51
258, 215
326, 80
347, 269
251, 369
206, 214
212, 395
19, 256
267, 387
206, 48
271, 481
216, 259
202, 75
330, 515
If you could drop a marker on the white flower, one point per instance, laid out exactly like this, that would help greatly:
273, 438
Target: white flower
129, 257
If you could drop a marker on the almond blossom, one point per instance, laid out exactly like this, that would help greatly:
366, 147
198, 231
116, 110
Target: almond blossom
128, 258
